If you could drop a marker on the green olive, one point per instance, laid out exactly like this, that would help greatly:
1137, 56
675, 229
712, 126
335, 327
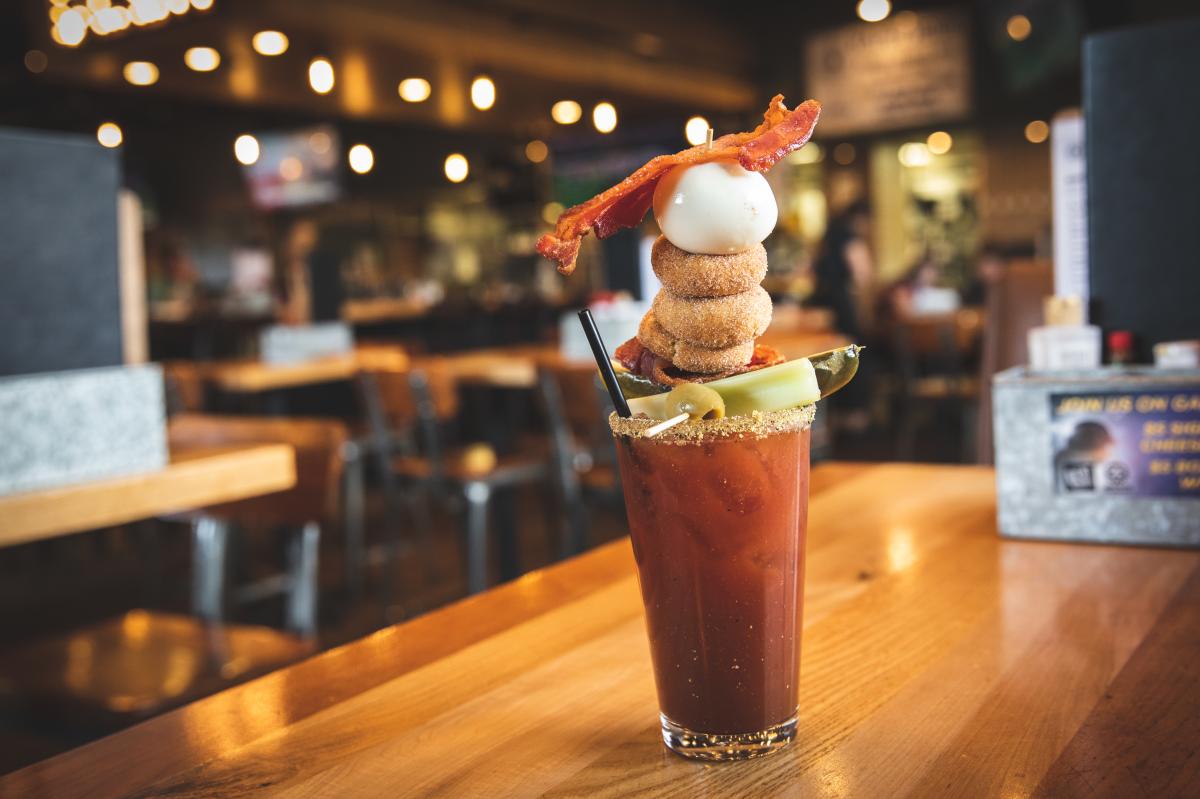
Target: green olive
697, 401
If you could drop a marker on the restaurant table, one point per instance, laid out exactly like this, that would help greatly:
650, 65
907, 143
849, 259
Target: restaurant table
195, 477
248, 376
938, 660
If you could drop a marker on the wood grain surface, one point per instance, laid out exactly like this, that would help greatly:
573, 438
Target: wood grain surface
938, 660
195, 477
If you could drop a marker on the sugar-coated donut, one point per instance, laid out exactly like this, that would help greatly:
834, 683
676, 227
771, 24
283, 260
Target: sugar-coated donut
714, 322
687, 274
689, 357
654, 338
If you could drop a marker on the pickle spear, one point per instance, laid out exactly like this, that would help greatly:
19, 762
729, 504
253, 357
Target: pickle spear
835, 368
791, 384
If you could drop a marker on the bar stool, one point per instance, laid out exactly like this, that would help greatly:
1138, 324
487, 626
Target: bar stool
407, 412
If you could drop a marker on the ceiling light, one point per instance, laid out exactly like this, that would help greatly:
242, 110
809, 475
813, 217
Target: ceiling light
566, 112
361, 158
202, 59
245, 149
141, 73
456, 167
604, 117
71, 27
873, 10
109, 134
939, 142
914, 154
1037, 131
1019, 27
414, 90
483, 93
269, 43
536, 151
696, 130
320, 75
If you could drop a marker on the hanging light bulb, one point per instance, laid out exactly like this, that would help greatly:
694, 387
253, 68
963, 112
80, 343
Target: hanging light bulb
320, 75
456, 167
245, 149
566, 112
109, 134
414, 90
202, 59
696, 130
269, 43
361, 158
483, 93
604, 117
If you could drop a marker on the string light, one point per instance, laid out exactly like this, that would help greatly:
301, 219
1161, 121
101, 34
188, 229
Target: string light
202, 5
202, 59
269, 43
604, 117
109, 134
141, 73
483, 93
566, 112
696, 130
414, 90
245, 149
361, 158
456, 168
320, 75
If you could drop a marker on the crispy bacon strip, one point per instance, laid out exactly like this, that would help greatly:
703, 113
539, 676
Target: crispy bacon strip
624, 205
641, 361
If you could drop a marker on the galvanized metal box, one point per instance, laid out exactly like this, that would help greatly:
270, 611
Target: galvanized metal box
86, 424
1105, 455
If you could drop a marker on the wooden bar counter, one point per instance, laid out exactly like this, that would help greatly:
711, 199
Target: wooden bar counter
939, 660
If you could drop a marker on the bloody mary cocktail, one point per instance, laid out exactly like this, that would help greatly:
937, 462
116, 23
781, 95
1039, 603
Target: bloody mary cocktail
717, 513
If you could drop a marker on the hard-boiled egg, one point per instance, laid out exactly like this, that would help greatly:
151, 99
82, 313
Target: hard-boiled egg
714, 208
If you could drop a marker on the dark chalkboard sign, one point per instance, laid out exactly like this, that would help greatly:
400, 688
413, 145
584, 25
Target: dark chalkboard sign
1142, 113
59, 286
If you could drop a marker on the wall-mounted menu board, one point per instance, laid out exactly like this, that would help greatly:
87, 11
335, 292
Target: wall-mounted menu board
908, 70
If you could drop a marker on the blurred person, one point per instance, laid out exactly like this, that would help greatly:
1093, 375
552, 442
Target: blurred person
295, 283
989, 269
900, 299
845, 270
845, 274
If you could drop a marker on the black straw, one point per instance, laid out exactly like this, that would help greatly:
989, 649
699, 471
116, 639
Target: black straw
606, 370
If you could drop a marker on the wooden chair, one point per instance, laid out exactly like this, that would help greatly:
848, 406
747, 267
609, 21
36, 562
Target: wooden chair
408, 413
1014, 306
583, 456
932, 353
122, 670
302, 510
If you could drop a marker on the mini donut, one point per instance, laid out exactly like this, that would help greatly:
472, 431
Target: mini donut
703, 360
687, 274
654, 338
714, 322
689, 357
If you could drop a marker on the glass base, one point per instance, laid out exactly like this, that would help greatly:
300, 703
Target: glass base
738, 746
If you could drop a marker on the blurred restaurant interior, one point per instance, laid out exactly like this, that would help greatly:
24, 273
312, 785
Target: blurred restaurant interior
308, 227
